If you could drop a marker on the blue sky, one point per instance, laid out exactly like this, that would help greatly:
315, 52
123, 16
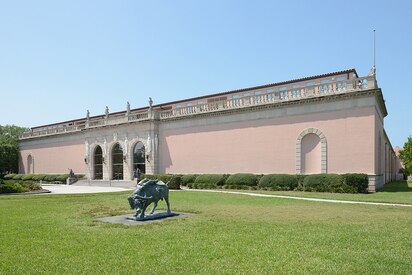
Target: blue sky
61, 58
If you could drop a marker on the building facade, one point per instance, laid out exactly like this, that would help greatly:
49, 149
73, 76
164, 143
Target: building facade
331, 123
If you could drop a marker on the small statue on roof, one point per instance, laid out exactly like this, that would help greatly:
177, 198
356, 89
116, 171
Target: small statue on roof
128, 107
150, 102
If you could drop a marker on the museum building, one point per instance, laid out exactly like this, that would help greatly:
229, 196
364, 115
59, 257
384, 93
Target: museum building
330, 123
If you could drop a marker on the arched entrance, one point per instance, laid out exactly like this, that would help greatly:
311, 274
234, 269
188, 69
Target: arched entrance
117, 162
138, 158
30, 165
98, 163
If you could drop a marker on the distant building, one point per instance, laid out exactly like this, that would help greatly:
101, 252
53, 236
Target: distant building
330, 123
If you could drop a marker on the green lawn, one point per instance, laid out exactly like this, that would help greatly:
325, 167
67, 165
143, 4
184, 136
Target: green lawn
228, 234
394, 192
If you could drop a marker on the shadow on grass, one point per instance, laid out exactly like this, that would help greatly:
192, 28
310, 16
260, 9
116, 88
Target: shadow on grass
397, 186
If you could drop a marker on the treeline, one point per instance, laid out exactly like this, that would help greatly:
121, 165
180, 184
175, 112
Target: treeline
9, 148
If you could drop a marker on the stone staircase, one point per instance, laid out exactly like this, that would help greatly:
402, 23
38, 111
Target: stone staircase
107, 183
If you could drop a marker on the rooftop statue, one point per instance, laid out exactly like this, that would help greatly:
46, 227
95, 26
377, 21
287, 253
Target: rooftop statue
147, 192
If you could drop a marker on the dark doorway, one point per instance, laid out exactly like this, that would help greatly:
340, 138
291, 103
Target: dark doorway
98, 163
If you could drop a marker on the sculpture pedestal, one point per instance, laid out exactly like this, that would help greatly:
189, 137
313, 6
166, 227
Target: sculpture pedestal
129, 219
155, 216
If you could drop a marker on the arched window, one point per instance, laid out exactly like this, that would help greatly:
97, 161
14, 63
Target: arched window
30, 165
117, 162
98, 163
138, 158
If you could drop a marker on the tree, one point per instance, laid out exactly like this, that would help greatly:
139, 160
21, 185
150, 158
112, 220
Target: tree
9, 148
405, 156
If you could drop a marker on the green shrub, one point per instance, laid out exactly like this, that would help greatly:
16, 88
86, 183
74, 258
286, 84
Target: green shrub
172, 180
242, 179
50, 178
27, 177
360, 182
190, 178
62, 178
80, 176
38, 177
9, 176
30, 185
323, 183
17, 177
204, 185
278, 182
11, 187
216, 179
237, 187
300, 179
11, 181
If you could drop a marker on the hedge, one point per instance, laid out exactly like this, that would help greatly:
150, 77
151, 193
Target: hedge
279, 182
30, 185
51, 178
17, 177
242, 179
62, 178
27, 177
201, 185
174, 179
359, 181
18, 186
9, 176
11, 187
300, 179
239, 187
216, 179
327, 183
190, 178
39, 177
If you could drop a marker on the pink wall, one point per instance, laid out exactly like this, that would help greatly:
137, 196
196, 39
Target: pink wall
55, 158
269, 145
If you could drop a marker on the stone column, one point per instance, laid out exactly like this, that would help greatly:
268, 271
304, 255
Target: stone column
106, 169
152, 157
106, 162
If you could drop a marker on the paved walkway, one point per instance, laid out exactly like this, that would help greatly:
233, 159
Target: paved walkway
300, 198
75, 189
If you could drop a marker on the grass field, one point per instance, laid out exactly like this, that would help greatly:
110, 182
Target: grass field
227, 234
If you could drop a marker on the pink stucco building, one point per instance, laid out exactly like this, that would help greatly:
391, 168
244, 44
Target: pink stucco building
330, 123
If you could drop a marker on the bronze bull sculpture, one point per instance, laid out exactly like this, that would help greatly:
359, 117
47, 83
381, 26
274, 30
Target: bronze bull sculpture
147, 192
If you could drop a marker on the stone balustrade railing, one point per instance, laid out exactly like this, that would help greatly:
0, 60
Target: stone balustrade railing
139, 116
93, 123
52, 131
278, 95
317, 90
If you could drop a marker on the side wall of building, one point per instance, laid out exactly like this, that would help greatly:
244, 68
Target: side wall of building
326, 135
52, 155
265, 141
386, 161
